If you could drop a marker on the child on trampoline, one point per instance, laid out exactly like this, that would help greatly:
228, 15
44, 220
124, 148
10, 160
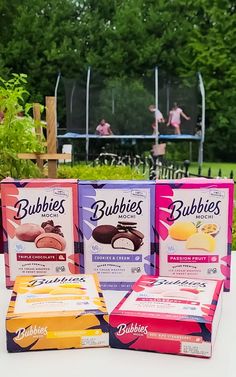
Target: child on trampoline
158, 117
175, 118
104, 129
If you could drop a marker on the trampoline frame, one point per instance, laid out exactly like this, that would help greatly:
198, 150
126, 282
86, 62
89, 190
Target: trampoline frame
156, 136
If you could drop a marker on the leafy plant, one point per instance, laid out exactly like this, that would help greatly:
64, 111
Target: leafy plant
86, 172
17, 129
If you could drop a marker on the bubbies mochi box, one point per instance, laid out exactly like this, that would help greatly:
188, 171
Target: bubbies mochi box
194, 228
168, 315
40, 227
117, 230
56, 312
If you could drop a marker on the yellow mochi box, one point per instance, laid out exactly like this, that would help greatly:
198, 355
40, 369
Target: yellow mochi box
56, 312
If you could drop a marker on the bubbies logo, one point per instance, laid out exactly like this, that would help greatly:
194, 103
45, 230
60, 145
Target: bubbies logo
179, 209
33, 331
180, 283
131, 328
24, 207
102, 209
61, 280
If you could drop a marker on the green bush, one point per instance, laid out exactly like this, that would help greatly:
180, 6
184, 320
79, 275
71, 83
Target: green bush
86, 172
17, 130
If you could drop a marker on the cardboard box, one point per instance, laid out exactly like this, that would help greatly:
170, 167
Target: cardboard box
40, 223
1, 228
117, 231
56, 312
168, 315
194, 228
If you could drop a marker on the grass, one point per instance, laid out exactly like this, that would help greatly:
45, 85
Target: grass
104, 172
225, 167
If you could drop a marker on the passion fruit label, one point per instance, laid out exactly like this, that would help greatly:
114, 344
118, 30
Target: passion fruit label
193, 224
116, 221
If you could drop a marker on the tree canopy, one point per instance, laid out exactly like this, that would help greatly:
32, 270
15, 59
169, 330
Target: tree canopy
126, 38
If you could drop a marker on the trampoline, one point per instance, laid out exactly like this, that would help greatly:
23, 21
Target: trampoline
124, 104
72, 135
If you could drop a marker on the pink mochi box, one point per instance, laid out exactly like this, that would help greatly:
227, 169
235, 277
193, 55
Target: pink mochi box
40, 227
194, 228
168, 315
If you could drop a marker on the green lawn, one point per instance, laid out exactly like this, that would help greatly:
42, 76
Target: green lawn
225, 167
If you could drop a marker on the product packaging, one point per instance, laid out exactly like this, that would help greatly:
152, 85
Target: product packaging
40, 223
117, 230
56, 312
168, 315
194, 228
1, 228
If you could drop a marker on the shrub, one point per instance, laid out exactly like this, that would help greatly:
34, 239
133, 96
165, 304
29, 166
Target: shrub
86, 172
17, 129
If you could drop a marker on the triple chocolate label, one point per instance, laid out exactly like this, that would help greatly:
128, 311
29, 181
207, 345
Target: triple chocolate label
116, 227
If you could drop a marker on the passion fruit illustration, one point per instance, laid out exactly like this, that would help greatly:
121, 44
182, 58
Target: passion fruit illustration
209, 228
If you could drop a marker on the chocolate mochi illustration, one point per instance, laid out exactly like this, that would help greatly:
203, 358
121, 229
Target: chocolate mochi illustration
50, 227
50, 240
28, 232
104, 233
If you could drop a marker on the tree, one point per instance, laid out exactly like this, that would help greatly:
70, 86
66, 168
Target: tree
211, 50
124, 39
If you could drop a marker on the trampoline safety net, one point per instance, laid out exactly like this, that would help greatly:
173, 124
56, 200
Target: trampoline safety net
124, 103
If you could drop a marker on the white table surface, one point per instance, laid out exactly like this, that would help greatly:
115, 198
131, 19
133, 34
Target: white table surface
116, 362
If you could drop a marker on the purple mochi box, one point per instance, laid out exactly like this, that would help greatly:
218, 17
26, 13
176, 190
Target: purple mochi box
116, 220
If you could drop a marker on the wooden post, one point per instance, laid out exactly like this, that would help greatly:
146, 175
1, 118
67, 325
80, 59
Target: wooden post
38, 130
51, 135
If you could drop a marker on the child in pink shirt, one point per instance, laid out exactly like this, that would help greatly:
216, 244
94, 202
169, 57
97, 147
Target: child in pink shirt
104, 129
175, 118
